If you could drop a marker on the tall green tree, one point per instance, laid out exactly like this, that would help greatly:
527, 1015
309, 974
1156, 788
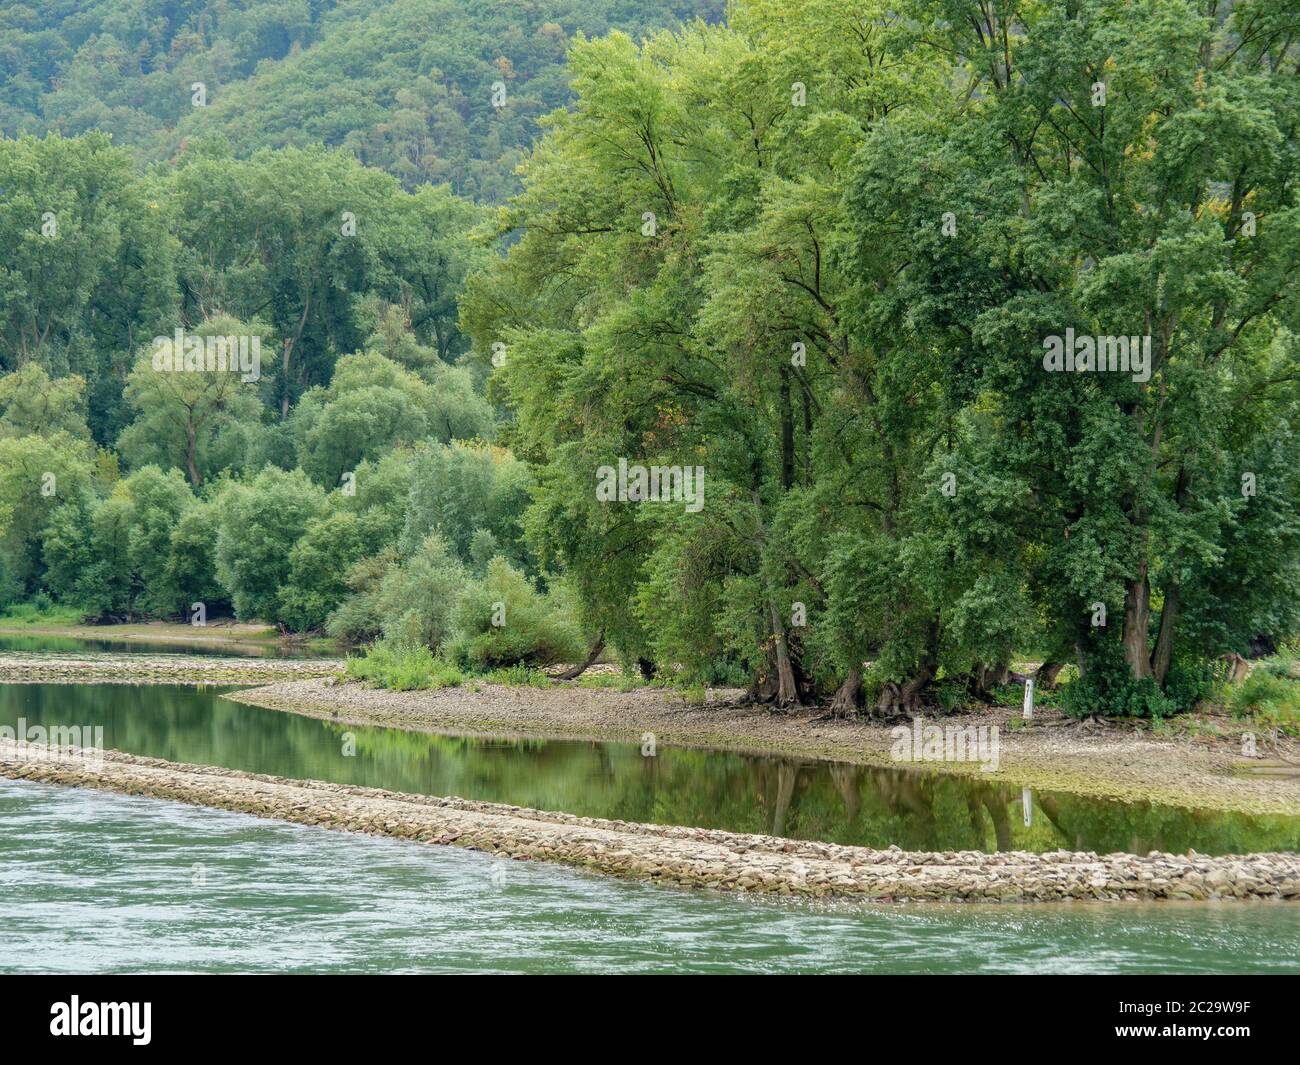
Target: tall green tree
191, 416
1135, 164
820, 253
258, 524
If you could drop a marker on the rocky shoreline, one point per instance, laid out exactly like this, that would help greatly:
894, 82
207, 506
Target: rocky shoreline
85, 668
683, 856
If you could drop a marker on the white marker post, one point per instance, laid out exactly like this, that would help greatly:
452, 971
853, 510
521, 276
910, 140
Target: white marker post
1029, 698
1027, 803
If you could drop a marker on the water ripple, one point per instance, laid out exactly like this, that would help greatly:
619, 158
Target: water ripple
108, 883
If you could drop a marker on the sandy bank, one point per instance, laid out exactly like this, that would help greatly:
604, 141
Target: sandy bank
226, 637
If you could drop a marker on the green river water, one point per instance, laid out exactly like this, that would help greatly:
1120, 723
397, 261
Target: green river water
101, 882
96, 882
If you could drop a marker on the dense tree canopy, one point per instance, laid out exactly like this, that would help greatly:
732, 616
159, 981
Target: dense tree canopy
405, 85
819, 252
842, 350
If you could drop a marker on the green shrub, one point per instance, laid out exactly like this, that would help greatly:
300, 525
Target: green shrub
1109, 690
503, 620
519, 676
1271, 700
415, 599
357, 620
1286, 663
951, 696
318, 568
40, 611
1189, 681
474, 497
258, 524
354, 620
403, 667
1013, 695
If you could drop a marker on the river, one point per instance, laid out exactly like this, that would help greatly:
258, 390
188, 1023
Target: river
796, 797
102, 882
98, 882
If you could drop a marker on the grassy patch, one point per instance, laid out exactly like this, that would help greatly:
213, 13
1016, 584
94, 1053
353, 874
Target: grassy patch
17, 615
694, 694
403, 668
517, 676
622, 682
1286, 663
1267, 698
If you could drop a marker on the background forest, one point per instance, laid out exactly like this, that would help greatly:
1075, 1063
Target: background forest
815, 249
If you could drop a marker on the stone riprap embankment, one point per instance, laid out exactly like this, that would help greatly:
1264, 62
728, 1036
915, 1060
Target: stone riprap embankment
73, 668
684, 856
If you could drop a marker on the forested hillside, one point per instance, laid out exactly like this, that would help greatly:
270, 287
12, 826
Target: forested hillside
792, 358
405, 85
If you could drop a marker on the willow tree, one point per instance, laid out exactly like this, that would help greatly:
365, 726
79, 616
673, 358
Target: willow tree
88, 269
195, 412
820, 253
676, 299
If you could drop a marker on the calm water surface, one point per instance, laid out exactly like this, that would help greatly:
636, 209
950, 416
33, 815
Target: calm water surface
784, 796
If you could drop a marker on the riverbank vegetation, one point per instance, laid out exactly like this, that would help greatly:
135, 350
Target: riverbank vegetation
815, 256
40, 613
1269, 697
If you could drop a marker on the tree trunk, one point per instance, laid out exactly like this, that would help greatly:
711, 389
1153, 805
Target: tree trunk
787, 432
597, 646
1046, 674
807, 437
1238, 668
762, 688
787, 692
286, 351
191, 453
289, 345
985, 678
1164, 651
848, 696
1137, 614
904, 698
